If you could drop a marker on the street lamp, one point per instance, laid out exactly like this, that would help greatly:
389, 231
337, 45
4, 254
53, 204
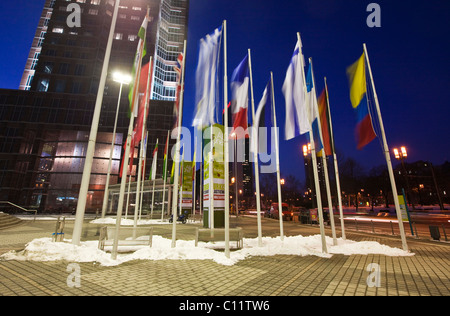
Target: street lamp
121, 79
282, 181
306, 149
87, 169
401, 155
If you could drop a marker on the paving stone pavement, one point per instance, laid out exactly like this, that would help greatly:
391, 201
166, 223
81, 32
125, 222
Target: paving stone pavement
426, 273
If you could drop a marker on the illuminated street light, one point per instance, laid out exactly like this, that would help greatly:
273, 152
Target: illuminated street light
282, 181
306, 149
404, 154
401, 155
122, 79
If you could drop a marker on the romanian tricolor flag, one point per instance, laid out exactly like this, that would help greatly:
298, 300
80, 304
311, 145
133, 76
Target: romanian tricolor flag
356, 73
327, 139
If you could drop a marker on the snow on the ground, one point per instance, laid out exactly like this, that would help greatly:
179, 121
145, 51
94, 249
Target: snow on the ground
127, 222
44, 249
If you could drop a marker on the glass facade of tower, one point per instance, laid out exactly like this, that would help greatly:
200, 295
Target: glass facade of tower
171, 35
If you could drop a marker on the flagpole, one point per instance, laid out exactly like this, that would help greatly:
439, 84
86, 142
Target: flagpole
387, 156
330, 202
200, 201
211, 180
144, 125
336, 171
194, 172
128, 193
138, 188
227, 166
122, 185
126, 157
165, 178
255, 155
180, 196
277, 157
153, 190
108, 176
144, 163
324, 162
316, 173
84, 186
177, 152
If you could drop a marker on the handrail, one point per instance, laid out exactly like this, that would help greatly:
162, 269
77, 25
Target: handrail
20, 207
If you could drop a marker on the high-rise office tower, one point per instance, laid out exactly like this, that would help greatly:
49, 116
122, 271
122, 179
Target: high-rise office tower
44, 129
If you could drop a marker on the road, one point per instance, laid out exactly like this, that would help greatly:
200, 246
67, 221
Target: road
420, 224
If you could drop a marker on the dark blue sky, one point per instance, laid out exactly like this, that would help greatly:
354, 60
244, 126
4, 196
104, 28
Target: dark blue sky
409, 56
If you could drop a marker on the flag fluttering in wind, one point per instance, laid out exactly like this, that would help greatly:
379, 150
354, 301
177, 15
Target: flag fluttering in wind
143, 98
130, 167
312, 110
327, 138
140, 54
297, 122
239, 101
166, 149
137, 132
172, 172
154, 163
263, 118
356, 73
207, 83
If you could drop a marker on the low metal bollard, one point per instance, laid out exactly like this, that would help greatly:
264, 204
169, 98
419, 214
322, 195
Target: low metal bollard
58, 235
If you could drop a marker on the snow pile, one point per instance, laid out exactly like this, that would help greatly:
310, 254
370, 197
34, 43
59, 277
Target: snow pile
127, 222
44, 249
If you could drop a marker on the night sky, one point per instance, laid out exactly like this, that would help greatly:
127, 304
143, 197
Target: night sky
408, 53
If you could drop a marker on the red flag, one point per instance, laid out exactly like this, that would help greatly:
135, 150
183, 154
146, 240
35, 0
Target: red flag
239, 88
142, 102
130, 166
325, 123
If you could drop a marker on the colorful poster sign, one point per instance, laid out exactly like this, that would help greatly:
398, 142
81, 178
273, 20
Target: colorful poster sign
403, 208
187, 186
218, 176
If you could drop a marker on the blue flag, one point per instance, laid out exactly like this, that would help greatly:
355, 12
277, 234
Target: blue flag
313, 110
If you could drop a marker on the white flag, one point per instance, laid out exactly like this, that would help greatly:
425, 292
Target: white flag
207, 79
154, 164
293, 89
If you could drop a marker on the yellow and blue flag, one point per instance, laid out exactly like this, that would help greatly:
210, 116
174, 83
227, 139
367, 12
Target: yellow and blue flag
356, 73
